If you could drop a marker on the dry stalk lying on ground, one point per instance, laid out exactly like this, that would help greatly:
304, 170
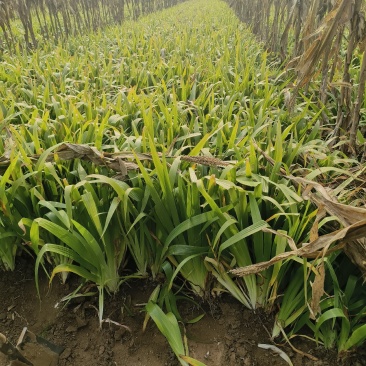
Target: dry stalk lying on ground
115, 161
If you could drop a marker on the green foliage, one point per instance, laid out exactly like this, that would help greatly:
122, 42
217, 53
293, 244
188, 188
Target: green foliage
341, 322
200, 110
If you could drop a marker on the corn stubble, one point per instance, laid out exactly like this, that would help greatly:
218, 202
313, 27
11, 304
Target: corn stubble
168, 144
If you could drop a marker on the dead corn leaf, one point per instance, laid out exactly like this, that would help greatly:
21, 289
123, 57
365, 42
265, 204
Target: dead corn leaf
312, 249
314, 231
340, 14
346, 214
317, 289
115, 161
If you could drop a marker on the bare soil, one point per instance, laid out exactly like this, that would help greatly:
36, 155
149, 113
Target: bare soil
227, 335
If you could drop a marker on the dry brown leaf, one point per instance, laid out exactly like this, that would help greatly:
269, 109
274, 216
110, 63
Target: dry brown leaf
206, 160
314, 231
352, 236
346, 214
290, 241
115, 161
317, 289
69, 151
306, 183
312, 249
340, 14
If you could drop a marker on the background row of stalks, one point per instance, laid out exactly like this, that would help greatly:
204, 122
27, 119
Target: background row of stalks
319, 40
45, 20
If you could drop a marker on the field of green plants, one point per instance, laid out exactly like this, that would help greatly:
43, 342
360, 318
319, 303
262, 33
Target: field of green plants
165, 148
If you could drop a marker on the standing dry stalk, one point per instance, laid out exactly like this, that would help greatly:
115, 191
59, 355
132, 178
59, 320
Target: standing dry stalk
313, 35
57, 19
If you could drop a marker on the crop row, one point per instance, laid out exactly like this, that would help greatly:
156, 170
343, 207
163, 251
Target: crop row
181, 158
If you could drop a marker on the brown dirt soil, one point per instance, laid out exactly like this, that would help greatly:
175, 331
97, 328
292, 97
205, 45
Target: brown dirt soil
228, 335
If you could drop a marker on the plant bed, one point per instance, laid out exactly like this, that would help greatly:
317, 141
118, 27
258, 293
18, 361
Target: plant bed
228, 334
168, 150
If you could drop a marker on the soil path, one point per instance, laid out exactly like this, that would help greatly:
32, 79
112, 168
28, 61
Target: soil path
228, 334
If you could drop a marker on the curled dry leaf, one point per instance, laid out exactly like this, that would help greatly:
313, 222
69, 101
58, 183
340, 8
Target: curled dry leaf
69, 151
314, 231
290, 241
312, 249
115, 161
356, 250
352, 236
206, 160
317, 289
340, 14
346, 214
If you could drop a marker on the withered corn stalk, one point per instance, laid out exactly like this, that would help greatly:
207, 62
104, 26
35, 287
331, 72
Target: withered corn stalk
119, 162
320, 39
55, 20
